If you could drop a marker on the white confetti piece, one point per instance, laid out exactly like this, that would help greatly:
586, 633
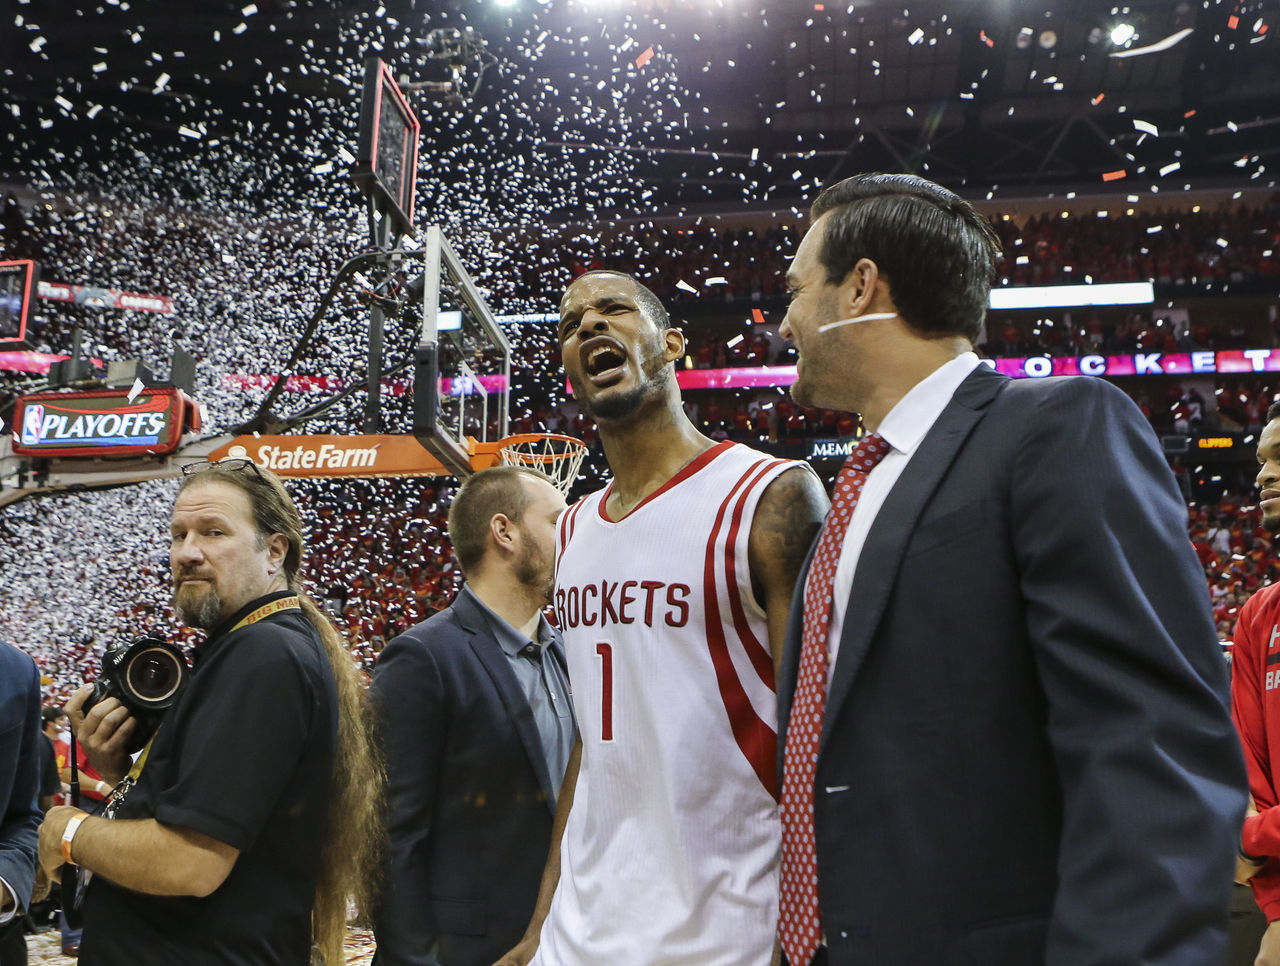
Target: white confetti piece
240, 28
37, 44
917, 35
1146, 127
1170, 167
323, 168
249, 10
62, 102
1155, 48
136, 389
187, 132
684, 286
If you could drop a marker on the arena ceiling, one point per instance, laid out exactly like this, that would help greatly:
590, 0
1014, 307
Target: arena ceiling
709, 101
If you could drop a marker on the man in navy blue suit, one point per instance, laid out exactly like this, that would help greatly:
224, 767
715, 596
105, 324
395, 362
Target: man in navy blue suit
19, 791
1009, 736
478, 728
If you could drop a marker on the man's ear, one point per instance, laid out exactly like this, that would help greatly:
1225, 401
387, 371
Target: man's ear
858, 290
277, 550
674, 341
501, 531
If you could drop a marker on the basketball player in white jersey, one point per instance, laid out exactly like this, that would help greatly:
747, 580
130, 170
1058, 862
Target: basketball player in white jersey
672, 589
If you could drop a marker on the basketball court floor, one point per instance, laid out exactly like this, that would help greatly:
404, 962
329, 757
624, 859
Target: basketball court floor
45, 949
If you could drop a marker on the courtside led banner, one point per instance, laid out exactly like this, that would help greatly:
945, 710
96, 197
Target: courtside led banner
106, 298
1204, 362
102, 422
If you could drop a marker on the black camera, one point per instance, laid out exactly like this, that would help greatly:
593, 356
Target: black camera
146, 675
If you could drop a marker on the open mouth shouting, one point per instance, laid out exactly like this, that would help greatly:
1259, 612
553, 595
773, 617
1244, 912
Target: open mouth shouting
603, 360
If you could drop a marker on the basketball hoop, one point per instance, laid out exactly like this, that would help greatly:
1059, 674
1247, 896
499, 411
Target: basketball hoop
557, 456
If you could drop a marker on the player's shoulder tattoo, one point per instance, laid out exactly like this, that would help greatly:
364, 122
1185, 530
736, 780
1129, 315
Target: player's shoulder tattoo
788, 517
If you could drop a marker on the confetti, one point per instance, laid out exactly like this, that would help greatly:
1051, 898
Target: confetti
645, 56
1170, 41
1114, 175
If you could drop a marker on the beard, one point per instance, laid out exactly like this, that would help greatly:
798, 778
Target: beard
800, 394
537, 574
1271, 522
657, 375
197, 609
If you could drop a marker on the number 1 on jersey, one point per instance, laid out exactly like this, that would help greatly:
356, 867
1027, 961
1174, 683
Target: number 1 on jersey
605, 651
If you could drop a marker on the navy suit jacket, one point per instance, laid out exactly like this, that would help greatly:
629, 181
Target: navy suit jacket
1026, 756
19, 771
471, 801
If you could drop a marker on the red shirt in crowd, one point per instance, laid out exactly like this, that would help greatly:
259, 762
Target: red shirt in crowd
1255, 706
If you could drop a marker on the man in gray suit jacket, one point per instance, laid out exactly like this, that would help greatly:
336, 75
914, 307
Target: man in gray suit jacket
478, 726
19, 791
1008, 742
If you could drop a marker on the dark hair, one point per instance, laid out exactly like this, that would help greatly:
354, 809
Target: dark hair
495, 490
649, 303
351, 858
936, 251
1273, 411
52, 713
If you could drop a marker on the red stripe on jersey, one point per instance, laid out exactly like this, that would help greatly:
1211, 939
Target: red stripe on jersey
568, 520
759, 654
686, 471
758, 742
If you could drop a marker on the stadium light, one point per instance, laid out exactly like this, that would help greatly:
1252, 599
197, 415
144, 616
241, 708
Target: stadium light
1122, 33
1064, 296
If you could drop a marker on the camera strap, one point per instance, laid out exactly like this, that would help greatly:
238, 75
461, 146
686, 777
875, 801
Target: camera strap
266, 610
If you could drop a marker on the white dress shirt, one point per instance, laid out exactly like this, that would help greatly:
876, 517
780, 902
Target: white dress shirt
903, 429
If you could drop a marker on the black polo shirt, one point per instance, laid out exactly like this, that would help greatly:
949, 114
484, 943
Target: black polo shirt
245, 756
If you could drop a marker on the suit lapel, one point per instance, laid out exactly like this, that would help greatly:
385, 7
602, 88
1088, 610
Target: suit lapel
495, 662
887, 541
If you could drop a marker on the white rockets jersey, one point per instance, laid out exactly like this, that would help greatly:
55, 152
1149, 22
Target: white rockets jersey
670, 856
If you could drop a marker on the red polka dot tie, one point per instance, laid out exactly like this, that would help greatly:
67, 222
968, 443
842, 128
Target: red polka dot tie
800, 923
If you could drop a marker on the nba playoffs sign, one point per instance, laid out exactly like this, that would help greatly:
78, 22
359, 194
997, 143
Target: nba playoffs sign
102, 423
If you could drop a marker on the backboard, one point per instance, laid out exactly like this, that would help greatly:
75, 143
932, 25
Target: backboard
462, 373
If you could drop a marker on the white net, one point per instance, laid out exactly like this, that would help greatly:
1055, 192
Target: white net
559, 457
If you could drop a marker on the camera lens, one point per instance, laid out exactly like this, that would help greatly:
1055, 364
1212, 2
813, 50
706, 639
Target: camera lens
153, 675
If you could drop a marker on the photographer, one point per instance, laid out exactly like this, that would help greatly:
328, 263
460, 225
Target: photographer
251, 813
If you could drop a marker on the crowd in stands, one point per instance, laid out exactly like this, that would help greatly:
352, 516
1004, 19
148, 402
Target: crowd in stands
1236, 553
1166, 246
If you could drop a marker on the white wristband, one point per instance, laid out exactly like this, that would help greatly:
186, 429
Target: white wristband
69, 833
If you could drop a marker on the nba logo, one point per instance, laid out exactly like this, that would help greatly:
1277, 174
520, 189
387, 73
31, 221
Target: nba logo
32, 417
